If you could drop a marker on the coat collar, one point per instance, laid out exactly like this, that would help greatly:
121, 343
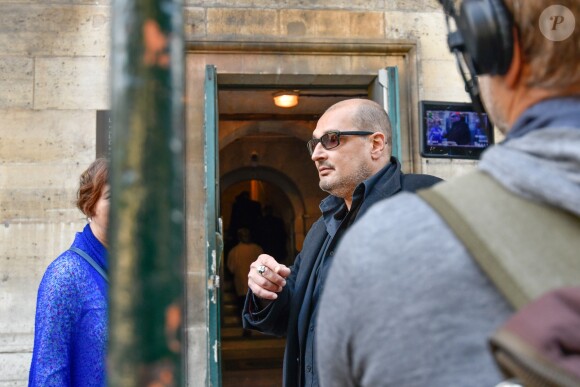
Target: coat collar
381, 185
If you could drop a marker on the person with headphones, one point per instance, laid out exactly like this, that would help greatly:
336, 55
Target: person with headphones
400, 309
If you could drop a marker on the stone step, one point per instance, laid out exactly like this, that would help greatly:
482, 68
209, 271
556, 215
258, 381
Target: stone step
259, 365
232, 321
227, 286
229, 298
230, 309
250, 350
232, 332
237, 332
247, 375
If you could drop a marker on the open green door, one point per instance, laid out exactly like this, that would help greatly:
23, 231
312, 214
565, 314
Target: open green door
213, 227
385, 91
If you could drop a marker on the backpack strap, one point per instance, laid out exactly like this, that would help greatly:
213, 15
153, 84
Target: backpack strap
525, 248
91, 261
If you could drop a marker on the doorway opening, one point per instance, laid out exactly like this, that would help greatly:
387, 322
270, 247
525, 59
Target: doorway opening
250, 70
263, 158
245, 353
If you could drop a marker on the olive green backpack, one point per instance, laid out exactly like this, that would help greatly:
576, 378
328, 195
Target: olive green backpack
527, 249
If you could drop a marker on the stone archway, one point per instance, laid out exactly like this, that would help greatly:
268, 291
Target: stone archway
277, 178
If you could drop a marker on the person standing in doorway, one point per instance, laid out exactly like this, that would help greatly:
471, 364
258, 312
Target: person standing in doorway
246, 213
238, 263
273, 234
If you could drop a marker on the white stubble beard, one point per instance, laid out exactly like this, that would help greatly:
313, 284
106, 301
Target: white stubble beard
345, 187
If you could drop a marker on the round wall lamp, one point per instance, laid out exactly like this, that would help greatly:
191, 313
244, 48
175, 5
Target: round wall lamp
286, 99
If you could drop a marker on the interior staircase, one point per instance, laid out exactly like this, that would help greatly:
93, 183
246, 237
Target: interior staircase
251, 359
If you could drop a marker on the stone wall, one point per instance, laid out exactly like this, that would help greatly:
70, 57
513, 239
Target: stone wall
54, 74
53, 77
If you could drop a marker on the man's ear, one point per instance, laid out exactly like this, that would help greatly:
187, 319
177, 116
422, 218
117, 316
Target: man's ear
378, 144
515, 71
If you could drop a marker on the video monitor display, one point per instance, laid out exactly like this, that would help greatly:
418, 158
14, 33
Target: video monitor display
453, 130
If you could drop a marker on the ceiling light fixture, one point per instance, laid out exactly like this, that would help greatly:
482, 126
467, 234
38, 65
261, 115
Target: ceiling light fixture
286, 99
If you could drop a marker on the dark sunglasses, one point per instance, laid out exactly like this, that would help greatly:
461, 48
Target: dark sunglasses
330, 140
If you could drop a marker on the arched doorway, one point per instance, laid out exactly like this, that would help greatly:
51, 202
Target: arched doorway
244, 352
272, 188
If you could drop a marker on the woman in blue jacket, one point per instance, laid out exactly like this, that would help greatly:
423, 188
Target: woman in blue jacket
70, 334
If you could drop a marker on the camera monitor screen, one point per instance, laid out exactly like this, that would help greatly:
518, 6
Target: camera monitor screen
453, 130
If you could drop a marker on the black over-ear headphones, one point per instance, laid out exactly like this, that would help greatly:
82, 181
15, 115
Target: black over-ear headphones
485, 27
484, 37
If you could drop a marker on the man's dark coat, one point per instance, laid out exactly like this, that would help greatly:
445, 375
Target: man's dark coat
281, 318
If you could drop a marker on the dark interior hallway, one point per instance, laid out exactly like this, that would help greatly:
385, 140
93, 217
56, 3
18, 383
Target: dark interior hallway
247, 361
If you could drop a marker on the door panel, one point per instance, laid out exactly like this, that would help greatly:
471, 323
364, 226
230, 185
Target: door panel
385, 91
213, 226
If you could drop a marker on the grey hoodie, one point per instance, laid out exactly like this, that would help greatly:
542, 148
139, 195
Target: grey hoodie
405, 304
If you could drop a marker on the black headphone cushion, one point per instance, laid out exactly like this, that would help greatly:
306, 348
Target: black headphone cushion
486, 27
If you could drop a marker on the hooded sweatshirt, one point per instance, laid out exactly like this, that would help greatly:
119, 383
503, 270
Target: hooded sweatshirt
405, 304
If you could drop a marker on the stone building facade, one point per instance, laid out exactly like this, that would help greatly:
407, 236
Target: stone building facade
54, 77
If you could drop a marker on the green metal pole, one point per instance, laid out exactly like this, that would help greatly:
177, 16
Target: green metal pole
146, 230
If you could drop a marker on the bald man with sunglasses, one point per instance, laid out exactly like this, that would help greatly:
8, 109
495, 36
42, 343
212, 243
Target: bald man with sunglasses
351, 149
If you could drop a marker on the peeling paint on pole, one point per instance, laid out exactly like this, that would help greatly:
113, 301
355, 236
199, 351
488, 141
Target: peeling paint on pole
147, 205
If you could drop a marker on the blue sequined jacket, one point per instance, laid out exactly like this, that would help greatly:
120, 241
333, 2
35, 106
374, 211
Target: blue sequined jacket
70, 333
